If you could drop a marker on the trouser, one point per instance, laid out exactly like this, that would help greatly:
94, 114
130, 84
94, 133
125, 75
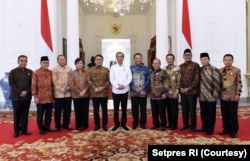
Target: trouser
97, 101
188, 104
62, 105
229, 112
139, 107
158, 109
117, 100
172, 111
44, 109
81, 107
208, 115
21, 112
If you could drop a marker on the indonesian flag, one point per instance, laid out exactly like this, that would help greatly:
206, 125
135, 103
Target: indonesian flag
187, 42
45, 25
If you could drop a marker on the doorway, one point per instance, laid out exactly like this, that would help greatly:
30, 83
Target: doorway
111, 46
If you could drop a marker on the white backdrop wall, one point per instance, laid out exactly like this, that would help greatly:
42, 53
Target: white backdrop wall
217, 27
20, 34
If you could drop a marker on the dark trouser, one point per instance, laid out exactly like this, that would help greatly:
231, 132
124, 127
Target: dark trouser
172, 112
97, 101
188, 104
139, 103
208, 115
229, 112
62, 104
81, 107
158, 109
41, 110
117, 99
21, 112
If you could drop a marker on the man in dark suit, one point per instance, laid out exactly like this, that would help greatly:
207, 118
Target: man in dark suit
20, 84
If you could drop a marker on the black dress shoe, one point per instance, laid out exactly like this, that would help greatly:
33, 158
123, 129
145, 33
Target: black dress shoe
143, 127
105, 128
125, 127
96, 128
67, 128
115, 127
233, 135
224, 132
209, 132
173, 128
163, 128
26, 133
193, 130
42, 132
134, 127
16, 134
184, 128
201, 130
154, 127
57, 130
50, 130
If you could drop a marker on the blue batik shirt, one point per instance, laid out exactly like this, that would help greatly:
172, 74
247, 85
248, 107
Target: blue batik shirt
140, 78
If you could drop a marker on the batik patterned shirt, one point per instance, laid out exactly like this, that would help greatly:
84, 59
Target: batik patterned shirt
78, 83
210, 84
61, 76
98, 76
42, 86
190, 77
140, 78
159, 84
231, 83
174, 75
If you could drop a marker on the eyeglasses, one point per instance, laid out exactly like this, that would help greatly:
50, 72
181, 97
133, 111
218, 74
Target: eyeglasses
23, 60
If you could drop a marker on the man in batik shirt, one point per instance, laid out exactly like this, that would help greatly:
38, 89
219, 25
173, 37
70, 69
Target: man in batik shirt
158, 93
139, 91
208, 94
62, 93
172, 101
230, 96
189, 86
42, 90
98, 80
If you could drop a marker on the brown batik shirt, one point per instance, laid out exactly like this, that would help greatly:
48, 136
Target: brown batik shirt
190, 77
98, 76
78, 83
231, 83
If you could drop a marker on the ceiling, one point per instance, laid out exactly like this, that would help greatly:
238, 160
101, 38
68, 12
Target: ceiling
135, 8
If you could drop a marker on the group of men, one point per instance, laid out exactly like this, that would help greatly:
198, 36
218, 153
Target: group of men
209, 84
163, 86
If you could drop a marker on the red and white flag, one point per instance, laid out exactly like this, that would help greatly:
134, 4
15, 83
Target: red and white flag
45, 24
187, 40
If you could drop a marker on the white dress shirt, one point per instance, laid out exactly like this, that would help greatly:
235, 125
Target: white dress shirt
120, 74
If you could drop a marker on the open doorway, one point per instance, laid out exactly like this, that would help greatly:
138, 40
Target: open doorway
111, 46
